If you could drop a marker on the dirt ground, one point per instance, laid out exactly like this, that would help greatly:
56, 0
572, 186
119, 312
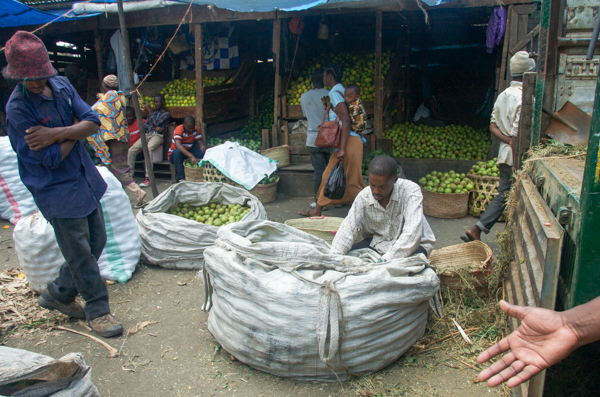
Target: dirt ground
177, 356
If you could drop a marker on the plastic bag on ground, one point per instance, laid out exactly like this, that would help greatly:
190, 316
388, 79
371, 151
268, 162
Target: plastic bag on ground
16, 202
282, 303
335, 186
174, 242
39, 255
24, 373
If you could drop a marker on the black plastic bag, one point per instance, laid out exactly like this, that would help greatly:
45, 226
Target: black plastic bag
336, 183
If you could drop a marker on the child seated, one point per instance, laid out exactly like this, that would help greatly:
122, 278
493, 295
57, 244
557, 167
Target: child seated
358, 116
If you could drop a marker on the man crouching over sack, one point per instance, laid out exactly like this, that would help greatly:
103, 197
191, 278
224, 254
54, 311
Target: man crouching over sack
389, 214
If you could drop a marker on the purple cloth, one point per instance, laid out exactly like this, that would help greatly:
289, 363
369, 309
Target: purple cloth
496, 28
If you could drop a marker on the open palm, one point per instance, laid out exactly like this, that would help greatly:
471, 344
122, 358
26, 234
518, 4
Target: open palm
543, 339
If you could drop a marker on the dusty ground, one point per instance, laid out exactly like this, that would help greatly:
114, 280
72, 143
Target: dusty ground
177, 356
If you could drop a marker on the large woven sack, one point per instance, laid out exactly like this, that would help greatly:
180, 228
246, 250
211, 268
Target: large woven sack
39, 255
21, 370
174, 242
16, 201
282, 303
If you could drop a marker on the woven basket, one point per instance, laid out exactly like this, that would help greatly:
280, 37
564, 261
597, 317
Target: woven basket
193, 174
445, 205
181, 112
279, 153
265, 193
211, 174
486, 188
324, 227
476, 256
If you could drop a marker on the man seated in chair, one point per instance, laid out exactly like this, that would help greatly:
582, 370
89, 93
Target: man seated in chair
187, 143
389, 215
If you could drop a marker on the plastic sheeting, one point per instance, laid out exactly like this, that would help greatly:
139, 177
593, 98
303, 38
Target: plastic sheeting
281, 302
14, 13
243, 5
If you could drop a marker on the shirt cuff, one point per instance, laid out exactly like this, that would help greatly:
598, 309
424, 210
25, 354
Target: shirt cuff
52, 156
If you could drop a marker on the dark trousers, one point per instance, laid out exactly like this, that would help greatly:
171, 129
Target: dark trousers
496, 206
319, 158
366, 243
81, 241
177, 158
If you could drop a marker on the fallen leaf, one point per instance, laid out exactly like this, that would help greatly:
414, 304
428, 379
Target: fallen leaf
139, 326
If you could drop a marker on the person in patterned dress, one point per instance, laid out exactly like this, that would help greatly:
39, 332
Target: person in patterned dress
358, 116
111, 143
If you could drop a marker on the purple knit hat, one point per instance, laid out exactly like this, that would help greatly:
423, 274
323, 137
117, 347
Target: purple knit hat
27, 58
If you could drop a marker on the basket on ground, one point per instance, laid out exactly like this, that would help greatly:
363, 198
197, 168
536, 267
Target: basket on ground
474, 258
193, 174
486, 188
211, 174
265, 193
324, 228
279, 153
445, 205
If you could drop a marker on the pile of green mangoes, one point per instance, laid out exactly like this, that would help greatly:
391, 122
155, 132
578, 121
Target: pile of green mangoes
263, 120
189, 163
268, 179
446, 182
251, 144
212, 214
486, 168
356, 69
449, 142
368, 158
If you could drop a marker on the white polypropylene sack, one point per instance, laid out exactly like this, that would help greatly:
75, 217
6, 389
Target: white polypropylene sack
239, 163
282, 303
16, 201
173, 242
68, 376
39, 255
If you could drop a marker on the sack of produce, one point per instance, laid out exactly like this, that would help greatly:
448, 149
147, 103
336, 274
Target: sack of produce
178, 242
16, 201
280, 302
39, 255
25, 373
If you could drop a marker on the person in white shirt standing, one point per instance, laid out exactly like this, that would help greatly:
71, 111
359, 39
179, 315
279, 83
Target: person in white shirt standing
313, 110
389, 215
504, 125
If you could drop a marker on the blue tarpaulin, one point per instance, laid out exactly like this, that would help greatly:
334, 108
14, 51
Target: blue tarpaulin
13, 14
243, 5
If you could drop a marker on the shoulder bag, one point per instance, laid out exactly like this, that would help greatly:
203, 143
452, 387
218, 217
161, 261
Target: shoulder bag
330, 132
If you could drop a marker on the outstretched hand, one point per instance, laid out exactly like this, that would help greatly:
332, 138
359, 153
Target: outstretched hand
544, 338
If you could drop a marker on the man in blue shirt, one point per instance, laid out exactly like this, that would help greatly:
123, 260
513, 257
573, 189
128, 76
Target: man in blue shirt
45, 120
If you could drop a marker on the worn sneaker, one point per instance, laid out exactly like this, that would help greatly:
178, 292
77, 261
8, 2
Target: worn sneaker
146, 183
72, 309
106, 326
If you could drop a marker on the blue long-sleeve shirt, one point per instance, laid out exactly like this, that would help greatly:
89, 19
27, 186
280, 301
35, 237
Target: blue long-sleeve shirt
69, 188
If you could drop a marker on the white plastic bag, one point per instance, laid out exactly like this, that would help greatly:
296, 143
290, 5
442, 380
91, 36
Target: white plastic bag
16, 201
174, 242
39, 254
239, 163
68, 376
282, 303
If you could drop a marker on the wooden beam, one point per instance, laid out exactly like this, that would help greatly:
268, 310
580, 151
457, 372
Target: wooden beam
199, 54
98, 47
528, 38
277, 90
134, 98
378, 120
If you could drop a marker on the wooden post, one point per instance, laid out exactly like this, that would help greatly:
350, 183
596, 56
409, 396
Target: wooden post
199, 80
277, 90
252, 98
504, 61
98, 47
378, 118
265, 139
134, 99
524, 134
